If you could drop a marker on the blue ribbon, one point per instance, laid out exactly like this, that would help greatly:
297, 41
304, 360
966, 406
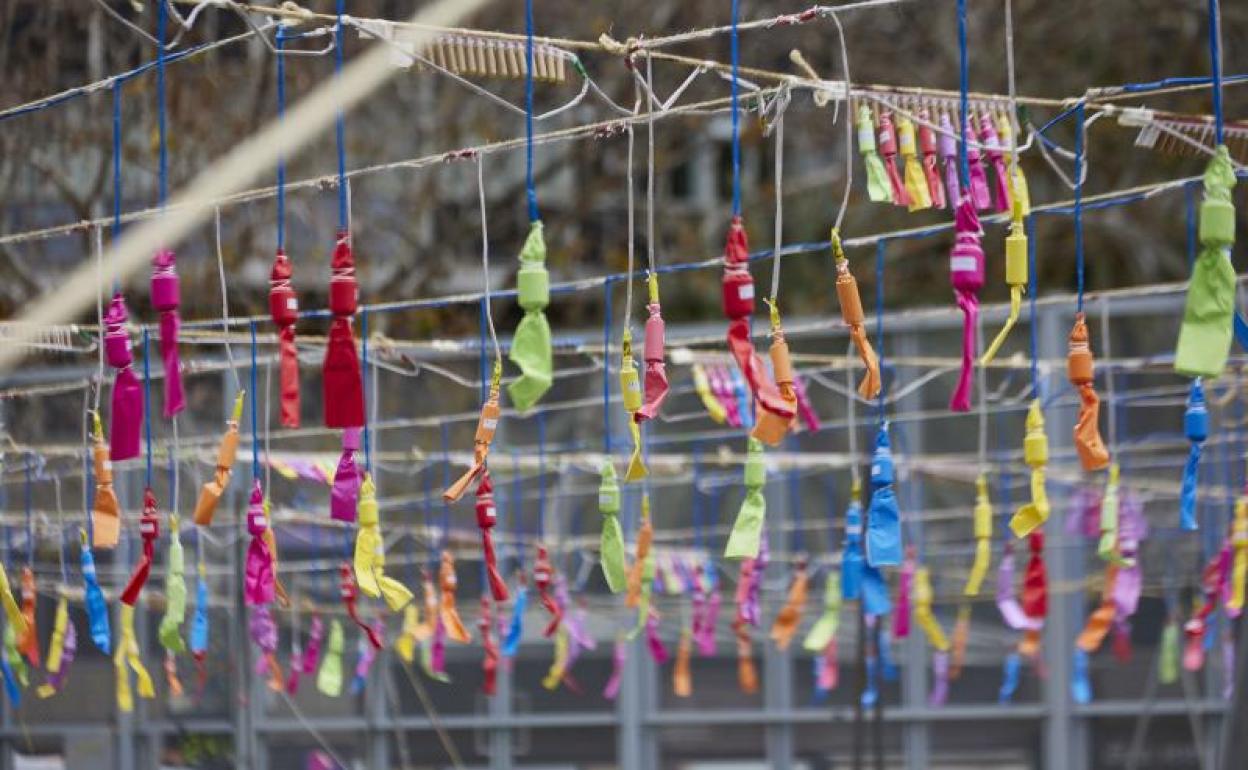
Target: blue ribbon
887, 667
516, 629
745, 405
97, 607
875, 599
1009, 678
199, 623
884, 516
869, 694
851, 557
1196, 428
11, 687
1080, 687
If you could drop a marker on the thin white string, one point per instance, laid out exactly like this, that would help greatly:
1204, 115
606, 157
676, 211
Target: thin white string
225, 300
485, 258
779, 224
650, 245
849, 125
268, 399
1013, 92
628, 283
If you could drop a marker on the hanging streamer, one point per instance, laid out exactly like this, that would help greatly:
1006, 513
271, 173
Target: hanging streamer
1168, 655
1107, 546
656, 384
344, 496
905, 581
1009, 679
630, 390
489, 663
1020, 196
370, 553
284, 310
641, 574
127, 400
543, 579
851, 554
915, 182
966, 273
770, 428
747, 674
350, 593
618, 658
263, 631
789, 618
199, 630
258, 588
887, 140
995, 150
106, 513
175, 592
1102, 618
487, 517
447, 610
559, 662
611, 553
977, 189
305, 665
28, 641
341, 378
1011, 611
212, 490
823, 632
1015, 277
166, 296
1205, 335
949, 157
149, 530
983, 538
366, 654
682, 673
1239, 547
531, 349
62, 649
329, 676
1092, 452
128, 654
12, 611
931, 166
1035, 580
702, 386
855, 319
487, 425
93, 597
878, 187
515, 628
738, 305
883, 539
1196, 429
409, 634
1032, 515
744, 540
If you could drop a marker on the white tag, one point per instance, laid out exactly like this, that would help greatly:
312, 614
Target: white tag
258, 521
490, 423
147, 528
605, 499
292, 303
490, 513
745, 291
963, 265
108, 465
876, 470
634, 386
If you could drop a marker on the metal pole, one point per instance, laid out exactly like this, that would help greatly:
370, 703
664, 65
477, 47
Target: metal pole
1065, 736
916, 738
777, 665
499, 712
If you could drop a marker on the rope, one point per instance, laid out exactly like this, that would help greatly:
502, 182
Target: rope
779, 230
162, 17
255, 419
1013, 91
632, 229
736, 115
1215, 65
225, 301
650, 244
879, 318
849, 126
485, 262
530, 187
1078, 213
281, 159
964, 167
340, 128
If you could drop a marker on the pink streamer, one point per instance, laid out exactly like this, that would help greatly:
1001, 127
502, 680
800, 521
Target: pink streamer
653, 641
260, 584
829, 671
979, 179
618, 658
311, 655
166, 296
1085, 513
346, 490
966, 273
721, 388
437, 653
949, 155
901, 617
127, 401
996, 156
264, 634
805, 409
